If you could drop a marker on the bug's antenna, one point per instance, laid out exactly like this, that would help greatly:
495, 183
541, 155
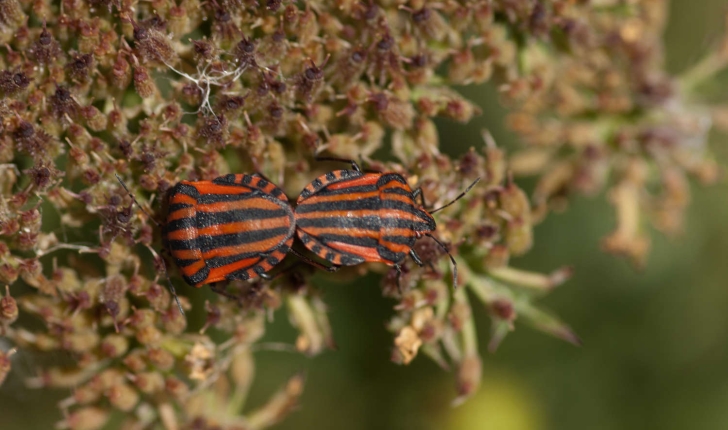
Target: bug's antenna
454, 263
135, 200
169, 281
171, 287
164, 264
456, 198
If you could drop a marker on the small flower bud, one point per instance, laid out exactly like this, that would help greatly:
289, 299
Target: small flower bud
5, 364
88, 39
310, 82
515, 201
13, 83
176, 387
135, 361
519, 236
214, 130
143, 82
11, 14
95, 120
148, 335
497, 257
152, 46
149, 382
81, 342
8, 273
46, 49
460, 110
162, 359
62, 103
394, 112
174, 322
90, 418
178, 21
80, 66
123, 397
469, 375
114, 345
242, 369
408, 343
430, 23
8, 308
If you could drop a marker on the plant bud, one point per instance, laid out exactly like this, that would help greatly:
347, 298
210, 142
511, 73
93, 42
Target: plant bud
162, 359
178, 23
95, 120
519, 236
469, 376
8, 308
11, 14
114, 345
176, 387
149, 382
90, 418
143, 82
123, 397
497, 257
5, 364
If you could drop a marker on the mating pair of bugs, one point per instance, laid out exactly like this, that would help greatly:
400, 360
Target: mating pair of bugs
240, 226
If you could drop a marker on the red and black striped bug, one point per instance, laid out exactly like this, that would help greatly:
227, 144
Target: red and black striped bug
348, 217
233, 227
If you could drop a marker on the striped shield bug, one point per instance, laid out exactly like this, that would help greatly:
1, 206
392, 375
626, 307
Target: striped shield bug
233, 227
348, 217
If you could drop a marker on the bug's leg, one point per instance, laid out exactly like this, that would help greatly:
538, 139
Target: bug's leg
137, 203
163, 263
353, 163
418, 193
399, 278
282, 271
266, 276
313, 263
416, 258
219, 288
452, 260
172, 290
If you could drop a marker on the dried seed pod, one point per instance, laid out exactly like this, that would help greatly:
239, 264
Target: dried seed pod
430, 23
12, 83
62, 104
392, 111
244, 53
214, 129
80, 66
11, 14
28, 139
95, 120
151, 46
310, 82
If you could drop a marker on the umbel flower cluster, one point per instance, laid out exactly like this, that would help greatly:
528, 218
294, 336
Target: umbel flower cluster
162, 91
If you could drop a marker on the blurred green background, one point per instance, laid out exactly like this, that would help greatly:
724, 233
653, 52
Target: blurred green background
655, 351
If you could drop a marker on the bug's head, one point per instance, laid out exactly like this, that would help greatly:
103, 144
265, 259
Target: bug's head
426, 222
